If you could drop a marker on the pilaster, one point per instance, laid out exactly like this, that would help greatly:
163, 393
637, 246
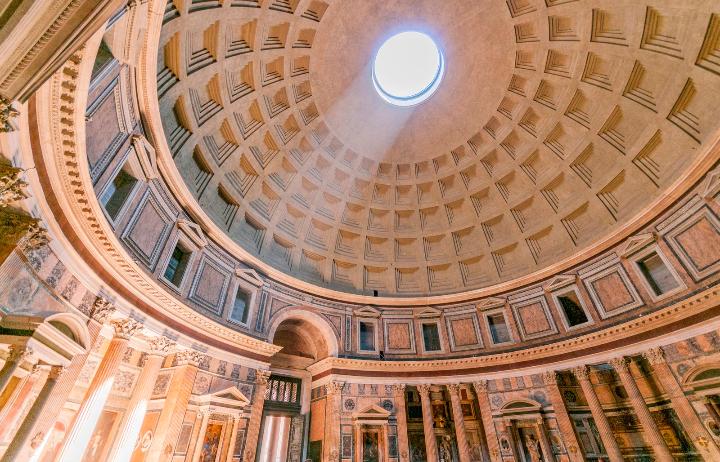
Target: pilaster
566, 426
428, 423
459, 421
401, 416
256, 410
487, 420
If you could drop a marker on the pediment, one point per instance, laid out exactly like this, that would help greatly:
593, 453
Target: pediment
249, 275
228, 397
490, 302
428, 312
372, 412
560, 281
712, 185
146, 156
367, 312
193, 231
636, 243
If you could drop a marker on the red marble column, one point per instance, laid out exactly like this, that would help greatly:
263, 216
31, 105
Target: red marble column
606, 435
459, 421
567, 429
401, 416
332, 421
428, 423
650, 430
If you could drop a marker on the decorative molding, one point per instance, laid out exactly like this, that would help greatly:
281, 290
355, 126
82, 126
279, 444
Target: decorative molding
7, 113
102, 310
636, 243
125, 328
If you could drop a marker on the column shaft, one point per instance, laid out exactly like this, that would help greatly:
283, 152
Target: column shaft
428, 423
38, 408
689, 419
567, 429
15, 357
491, 438
459, 421
173, 412
650, 429
401, 416
13, 409
332, 425
129, 428
544, 441
256, 412
606, 435
233, 439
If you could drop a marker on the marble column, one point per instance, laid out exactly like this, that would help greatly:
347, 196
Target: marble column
491, 438
332, 423
16, 355
204, 418
18, 402
459, 421
44, 424
650, 430
129, 427
689, 419
171, 417
233, 438
38, 408
567, 429
601, 421
83, 425
401, 416
256, 412
544, 441
428, 423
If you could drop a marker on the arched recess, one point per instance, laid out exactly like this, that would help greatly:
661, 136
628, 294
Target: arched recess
305, 337
72, 327
702, 373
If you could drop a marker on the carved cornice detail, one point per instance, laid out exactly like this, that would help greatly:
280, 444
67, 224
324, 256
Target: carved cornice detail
12, 186
262, 377
654, 355
7, 112
125, 328
101, 310
160, 346
582, 373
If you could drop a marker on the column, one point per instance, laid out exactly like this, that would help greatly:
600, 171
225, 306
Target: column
428, 423
401, 416
28, 424
256, 411
171, 417
459, 421
129, 428
606, 435
233, 438
17, 402
99, 315
83, 425
544, 442
650, 430
205, 416
16, 355
692, 424
332, 424
487, 420
567, 429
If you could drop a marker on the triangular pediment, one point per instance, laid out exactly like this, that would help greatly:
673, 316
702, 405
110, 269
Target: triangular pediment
490, 302
228, 397
636, 243
193, 231
427, 312
249, 275
560, 281
146, 156
372, 412
368, 312
712, 184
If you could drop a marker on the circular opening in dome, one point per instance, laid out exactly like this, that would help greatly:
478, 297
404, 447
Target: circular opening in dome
408, 68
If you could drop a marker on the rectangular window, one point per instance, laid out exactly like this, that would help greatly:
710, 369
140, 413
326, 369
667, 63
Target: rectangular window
117, 193
658, 276
367, 336
431, 337
176, 266
574, 314
498, 328
240, 307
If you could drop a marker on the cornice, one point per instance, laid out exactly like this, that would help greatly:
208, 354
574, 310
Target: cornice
696, 314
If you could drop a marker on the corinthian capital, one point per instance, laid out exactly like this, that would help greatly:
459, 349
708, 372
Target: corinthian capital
7, 112
424, 389
334, 387
262, 377
481, 386
549, 377
619, 364
11, 185
398, 389
454, 388
35, 238
582, 372
655, 355
191, 357
125, 328
101, 310
160, 346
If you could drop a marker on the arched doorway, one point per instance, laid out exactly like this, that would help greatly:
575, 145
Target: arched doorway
305, 338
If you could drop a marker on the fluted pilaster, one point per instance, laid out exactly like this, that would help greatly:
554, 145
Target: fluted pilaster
256, 410
401, 416
459, 421
332, 424
566, 426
